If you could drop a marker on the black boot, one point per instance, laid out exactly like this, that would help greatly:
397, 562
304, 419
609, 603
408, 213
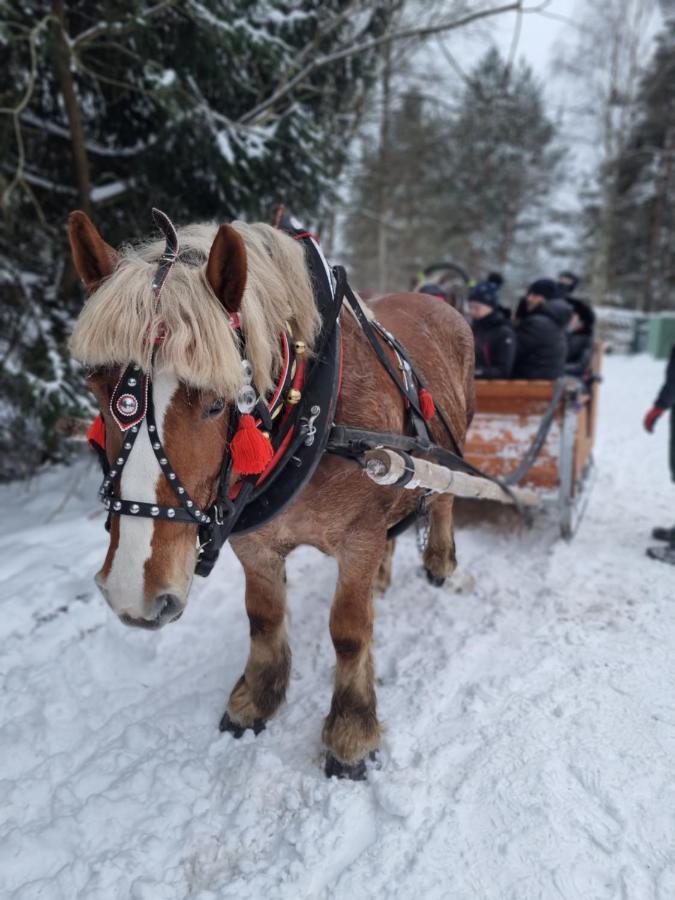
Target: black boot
663, 554
664, 534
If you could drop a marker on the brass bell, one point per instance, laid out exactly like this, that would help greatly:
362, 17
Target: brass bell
299, 346
294, 396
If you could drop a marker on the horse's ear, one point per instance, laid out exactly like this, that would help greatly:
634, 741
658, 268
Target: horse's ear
226, 268
93, 258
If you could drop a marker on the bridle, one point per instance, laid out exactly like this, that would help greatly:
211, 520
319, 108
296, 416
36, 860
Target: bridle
131, 405
130, 384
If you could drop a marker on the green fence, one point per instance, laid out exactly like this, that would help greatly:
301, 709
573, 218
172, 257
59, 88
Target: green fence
661, 335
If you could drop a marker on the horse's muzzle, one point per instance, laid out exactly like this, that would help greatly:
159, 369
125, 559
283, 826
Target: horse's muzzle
163, 609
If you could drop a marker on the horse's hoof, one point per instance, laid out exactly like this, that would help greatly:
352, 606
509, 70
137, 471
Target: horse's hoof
436, 580
352, 771
237, 730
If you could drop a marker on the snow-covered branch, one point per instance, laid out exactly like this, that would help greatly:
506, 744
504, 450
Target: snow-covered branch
104, 28
370, 44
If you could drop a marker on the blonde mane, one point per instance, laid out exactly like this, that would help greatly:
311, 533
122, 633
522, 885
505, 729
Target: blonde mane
200, 346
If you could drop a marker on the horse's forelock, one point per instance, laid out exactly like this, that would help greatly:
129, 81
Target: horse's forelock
200, 346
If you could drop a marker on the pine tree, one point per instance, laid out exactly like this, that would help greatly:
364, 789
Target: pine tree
466, 185
642, 240
114, 106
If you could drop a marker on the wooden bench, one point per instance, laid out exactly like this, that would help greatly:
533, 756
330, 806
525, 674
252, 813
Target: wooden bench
508, 415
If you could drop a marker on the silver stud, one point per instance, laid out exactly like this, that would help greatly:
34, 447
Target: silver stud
163, 461
127, 446
181, 490
117, 505
151, 428
134, 428
112, 473
189, 504
171, 513
156, 445
137, 368
106, 483
198, 512
127, 405
134, 508
131, 382
172, 476
120, 460
154, 511
208, 519
107, 504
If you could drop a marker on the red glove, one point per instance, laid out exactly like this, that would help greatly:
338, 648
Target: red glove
652, 417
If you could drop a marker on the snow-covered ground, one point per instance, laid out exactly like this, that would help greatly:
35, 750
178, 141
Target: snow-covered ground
529, 749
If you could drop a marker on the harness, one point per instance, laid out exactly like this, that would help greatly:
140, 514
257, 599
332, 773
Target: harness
299, 417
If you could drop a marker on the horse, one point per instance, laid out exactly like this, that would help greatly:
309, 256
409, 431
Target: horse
243, 284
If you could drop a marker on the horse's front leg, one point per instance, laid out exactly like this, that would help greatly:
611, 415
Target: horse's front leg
439, 555
262, 688
351, 731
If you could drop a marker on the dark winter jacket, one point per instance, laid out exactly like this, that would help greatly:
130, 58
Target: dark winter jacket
579, 353
495, 345
542, 341
666, 398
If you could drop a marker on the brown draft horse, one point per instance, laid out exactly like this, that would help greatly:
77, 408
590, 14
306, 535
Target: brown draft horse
261, 273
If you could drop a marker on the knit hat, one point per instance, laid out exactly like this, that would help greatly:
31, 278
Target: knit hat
569, 285
543, 287
435, 290
485, 292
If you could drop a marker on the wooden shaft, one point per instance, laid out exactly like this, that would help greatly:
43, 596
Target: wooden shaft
387, 467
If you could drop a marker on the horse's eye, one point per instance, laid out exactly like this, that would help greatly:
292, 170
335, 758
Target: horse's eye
216, 407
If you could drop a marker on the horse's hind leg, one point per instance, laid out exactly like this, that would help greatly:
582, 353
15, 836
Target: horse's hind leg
262, 688
351, 731
383, 576
439, 554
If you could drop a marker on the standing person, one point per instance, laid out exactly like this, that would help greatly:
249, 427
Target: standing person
541, 333
664, 401
492, 332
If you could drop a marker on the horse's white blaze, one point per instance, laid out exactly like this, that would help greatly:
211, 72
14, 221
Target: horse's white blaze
124, 587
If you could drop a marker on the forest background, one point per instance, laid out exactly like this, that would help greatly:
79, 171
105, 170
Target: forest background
402, 131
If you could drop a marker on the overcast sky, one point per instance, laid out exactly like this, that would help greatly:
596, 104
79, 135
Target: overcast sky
540, 34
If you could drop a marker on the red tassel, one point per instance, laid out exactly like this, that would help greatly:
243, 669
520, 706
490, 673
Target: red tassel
96, 433
251, 450
427, 405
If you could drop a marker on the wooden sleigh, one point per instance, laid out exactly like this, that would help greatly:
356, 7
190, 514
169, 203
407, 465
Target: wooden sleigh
509, 418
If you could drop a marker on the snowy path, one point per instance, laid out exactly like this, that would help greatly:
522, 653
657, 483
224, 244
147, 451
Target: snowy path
530, 742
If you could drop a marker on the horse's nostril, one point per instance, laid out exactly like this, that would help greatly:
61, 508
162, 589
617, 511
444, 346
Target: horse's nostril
167, 607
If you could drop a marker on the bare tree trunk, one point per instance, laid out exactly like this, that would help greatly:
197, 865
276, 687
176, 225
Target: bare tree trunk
658, 211
383, 173
67, 87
